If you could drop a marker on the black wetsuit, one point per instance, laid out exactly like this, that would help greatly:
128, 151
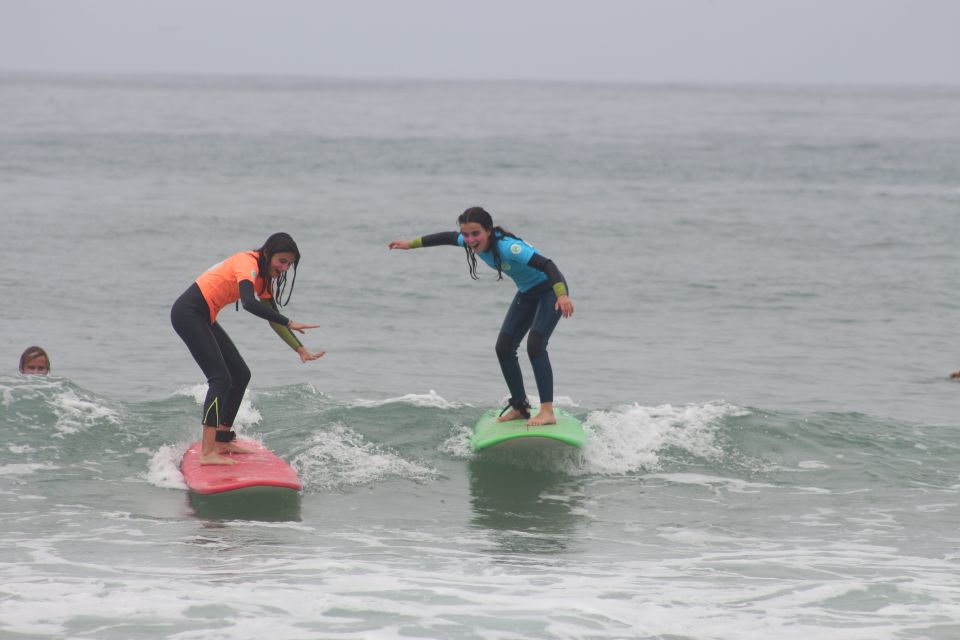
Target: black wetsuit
532, 311
227, 374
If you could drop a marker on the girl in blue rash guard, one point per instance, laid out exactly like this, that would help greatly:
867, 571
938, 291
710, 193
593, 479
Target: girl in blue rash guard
540, 301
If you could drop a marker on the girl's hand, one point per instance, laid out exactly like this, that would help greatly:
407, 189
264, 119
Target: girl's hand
564, 305
306, 356
299, 326
399, 244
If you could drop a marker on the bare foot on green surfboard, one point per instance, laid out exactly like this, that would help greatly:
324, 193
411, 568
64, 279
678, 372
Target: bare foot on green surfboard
542, 418
512, 414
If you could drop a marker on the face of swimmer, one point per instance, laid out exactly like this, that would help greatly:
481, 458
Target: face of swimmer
35, 363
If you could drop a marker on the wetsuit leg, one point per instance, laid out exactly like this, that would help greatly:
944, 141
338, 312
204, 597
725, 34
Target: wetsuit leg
239, 375
190, 317
544, 322
515, 325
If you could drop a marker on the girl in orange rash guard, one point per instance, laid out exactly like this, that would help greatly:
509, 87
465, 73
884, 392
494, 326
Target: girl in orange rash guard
245, 276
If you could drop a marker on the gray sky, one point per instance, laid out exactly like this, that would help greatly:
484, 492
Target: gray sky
701, 41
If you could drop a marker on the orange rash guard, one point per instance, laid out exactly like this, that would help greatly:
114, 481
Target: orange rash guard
220, 284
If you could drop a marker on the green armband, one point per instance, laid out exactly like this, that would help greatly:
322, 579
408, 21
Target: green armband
286, 335
416, 243
283, 331
560, 289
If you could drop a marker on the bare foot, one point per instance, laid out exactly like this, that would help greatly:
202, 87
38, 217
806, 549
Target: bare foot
542, 418
229, 447
955, 374
512, 414
215, 458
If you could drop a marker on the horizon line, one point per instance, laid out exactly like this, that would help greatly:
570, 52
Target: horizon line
413, 79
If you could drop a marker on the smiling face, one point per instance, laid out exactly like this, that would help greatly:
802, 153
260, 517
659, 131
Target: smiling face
475, 236
280, 262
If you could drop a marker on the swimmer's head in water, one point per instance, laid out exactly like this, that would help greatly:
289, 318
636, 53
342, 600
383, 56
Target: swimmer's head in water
34, 361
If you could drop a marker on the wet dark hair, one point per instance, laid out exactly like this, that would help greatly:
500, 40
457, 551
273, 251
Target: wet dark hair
277, 243
485, 220
32, 352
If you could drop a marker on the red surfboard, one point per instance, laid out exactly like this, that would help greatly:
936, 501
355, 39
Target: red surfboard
260, 468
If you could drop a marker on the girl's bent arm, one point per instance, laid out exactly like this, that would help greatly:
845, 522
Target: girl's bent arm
251, 304
554, 277
283, 330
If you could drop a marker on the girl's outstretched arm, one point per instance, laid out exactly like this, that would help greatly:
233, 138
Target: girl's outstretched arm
432, 240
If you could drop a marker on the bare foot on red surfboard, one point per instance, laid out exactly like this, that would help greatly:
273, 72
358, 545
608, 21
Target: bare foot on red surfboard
215, 458
232, 448
542, 418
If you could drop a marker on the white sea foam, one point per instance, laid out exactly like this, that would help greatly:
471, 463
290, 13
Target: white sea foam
339, 457
247, 414
75, 413
630, 439
563, 402
196, 391
431, 399
24, 468
812, 464
626, 440
164, 471
20, 449
936, 508
374, 591
734, 485
458, 443
19, 387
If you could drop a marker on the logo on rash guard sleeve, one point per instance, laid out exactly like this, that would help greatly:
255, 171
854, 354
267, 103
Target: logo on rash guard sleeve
516, 249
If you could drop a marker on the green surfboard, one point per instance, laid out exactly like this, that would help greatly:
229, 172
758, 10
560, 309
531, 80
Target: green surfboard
515, 434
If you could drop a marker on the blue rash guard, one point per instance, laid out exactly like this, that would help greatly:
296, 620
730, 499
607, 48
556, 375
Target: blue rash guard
515, 255
518, 260
534, 310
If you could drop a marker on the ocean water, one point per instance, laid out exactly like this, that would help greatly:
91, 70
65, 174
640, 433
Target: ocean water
764, 281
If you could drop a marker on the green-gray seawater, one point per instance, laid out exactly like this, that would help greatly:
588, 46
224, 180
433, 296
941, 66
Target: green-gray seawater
765, 321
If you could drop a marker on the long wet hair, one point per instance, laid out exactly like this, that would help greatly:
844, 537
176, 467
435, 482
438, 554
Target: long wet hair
485, 220
277, 243
30, 354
